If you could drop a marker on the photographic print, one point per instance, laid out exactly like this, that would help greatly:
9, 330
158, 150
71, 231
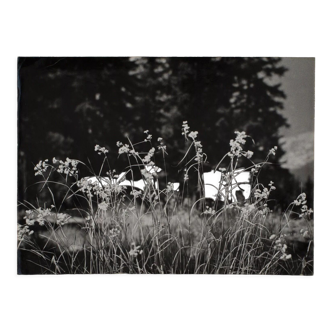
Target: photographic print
165, 165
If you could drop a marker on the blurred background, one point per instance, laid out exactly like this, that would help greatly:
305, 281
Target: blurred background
68, 105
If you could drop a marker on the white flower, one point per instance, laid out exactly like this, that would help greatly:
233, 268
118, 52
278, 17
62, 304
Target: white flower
185, 128
100, 149
249, 154
170, 187
193, 134
209, 211
103, 206
124, 149
135, 250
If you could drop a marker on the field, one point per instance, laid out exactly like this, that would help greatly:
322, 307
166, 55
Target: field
113, 228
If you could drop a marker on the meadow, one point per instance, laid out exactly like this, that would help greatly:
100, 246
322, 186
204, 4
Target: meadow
112, 228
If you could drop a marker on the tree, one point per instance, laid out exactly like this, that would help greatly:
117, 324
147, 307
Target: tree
68, 105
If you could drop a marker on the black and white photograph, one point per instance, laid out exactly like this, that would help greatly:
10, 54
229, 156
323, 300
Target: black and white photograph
166, 165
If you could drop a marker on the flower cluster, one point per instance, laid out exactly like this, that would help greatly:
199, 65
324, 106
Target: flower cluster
193, 135
161, 145
43, 215
197, 144
265, 193
236, 145
150, 166
249, 154
115, 232
281, 246
41, 167
62, 218
147, 176
149, 136
185, 129
134, 251
302, 201
38, 216
101, 189
122, 148
255, 169
103, 206
169, 187
100, 149
272, 187
248, 209
209, 211
22, 231
149, 155
199, 151
68, 167
264, 210
273, 150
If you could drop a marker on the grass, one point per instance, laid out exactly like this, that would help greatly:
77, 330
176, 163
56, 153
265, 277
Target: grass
123, 230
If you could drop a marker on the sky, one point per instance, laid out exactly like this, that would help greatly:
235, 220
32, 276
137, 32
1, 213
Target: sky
298, 83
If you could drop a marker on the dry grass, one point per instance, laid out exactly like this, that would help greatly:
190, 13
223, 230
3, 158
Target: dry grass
166, 234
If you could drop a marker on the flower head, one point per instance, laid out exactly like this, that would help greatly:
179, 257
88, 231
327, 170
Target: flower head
103, 206
134, 250
100, 149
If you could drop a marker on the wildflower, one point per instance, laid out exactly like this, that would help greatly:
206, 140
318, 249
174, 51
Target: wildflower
209, 211
114, 232
62, 218
161, 145
285, 257
302, 200
185, 128
148, 157
124, 149
272, 187
248, 209
273, 150
149, 136
134, 251
41, 167
199, 151
255, 169
100, 149
22, 231
147, 176
68, 167
193, 135
134, 153
103, 206
236, 145
170, 187
249, 154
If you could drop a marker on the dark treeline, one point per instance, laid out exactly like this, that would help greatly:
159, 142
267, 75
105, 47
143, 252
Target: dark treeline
68, 105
